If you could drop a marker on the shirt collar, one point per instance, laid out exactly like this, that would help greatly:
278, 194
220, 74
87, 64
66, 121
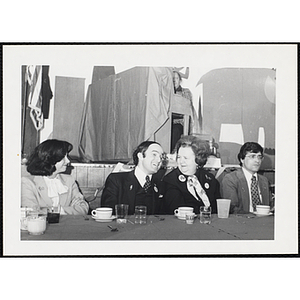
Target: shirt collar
140, 175
248, 175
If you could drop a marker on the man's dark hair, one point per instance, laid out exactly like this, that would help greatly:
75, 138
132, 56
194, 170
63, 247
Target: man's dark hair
251, 147
141, 148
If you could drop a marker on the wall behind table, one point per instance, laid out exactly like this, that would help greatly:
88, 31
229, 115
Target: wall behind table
240, 96
91, 176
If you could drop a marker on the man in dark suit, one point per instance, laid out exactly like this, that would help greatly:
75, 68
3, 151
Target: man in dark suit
142, 186
245, 187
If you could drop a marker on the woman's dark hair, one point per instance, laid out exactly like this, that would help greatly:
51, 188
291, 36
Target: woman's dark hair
44, 157
141, 148
199, 147
249, 147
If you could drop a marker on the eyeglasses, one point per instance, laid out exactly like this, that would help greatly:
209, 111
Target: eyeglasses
253, 156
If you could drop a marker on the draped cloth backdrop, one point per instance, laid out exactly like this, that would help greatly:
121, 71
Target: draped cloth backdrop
123, 110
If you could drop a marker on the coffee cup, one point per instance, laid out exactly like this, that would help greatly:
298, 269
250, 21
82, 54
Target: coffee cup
182, 211
262, 209
102, 213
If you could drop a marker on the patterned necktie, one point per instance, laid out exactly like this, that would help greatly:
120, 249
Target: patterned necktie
254, 193
147, 184
194, 183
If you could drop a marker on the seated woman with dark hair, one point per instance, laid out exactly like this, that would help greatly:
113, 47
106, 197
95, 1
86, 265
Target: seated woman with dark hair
189, 184
47, 187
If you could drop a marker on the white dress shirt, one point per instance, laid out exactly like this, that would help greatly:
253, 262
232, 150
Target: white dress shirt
141, 176
248, 176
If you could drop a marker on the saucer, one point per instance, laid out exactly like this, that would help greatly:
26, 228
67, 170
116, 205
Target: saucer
261, 215
183, 218
104, 220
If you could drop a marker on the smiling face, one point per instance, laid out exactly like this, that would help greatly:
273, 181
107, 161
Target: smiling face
252, 161
151, 161
186, 161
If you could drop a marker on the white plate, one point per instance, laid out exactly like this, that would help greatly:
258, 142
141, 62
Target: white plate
104, 220
183, 218
260, 215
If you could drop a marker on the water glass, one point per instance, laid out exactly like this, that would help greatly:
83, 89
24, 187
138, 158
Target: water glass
140, 215
24, 214
121, 212
205, 215
189, 218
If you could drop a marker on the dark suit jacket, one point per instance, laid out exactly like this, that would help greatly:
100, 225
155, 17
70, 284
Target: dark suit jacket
177, 194
121, 188
234, 186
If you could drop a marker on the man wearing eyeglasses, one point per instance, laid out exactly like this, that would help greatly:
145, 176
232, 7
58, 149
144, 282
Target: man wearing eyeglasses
245, 187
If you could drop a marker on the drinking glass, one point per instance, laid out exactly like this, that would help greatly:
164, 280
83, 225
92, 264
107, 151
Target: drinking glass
24, 214
36, 225
140, 215
205, 215
223, 208
121, 212
53, 214
189, 218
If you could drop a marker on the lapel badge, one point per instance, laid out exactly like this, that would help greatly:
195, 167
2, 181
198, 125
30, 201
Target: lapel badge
41, 188
155, 189
206, 185
130, 188
207, 177
181, 178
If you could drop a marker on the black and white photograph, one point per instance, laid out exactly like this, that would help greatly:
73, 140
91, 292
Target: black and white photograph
150, 149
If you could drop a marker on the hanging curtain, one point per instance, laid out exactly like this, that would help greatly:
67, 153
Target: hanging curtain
123, 110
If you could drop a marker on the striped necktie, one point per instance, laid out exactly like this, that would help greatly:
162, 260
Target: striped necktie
254, 192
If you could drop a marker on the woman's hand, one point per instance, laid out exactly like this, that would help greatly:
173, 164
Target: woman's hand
76, 201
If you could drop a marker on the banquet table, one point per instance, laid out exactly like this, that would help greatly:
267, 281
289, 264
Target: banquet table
159, 227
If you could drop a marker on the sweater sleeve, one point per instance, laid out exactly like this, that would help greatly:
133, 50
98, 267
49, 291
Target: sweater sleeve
111, 192
173, 198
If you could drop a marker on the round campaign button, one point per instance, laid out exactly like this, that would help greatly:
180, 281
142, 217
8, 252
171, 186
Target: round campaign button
182, 178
